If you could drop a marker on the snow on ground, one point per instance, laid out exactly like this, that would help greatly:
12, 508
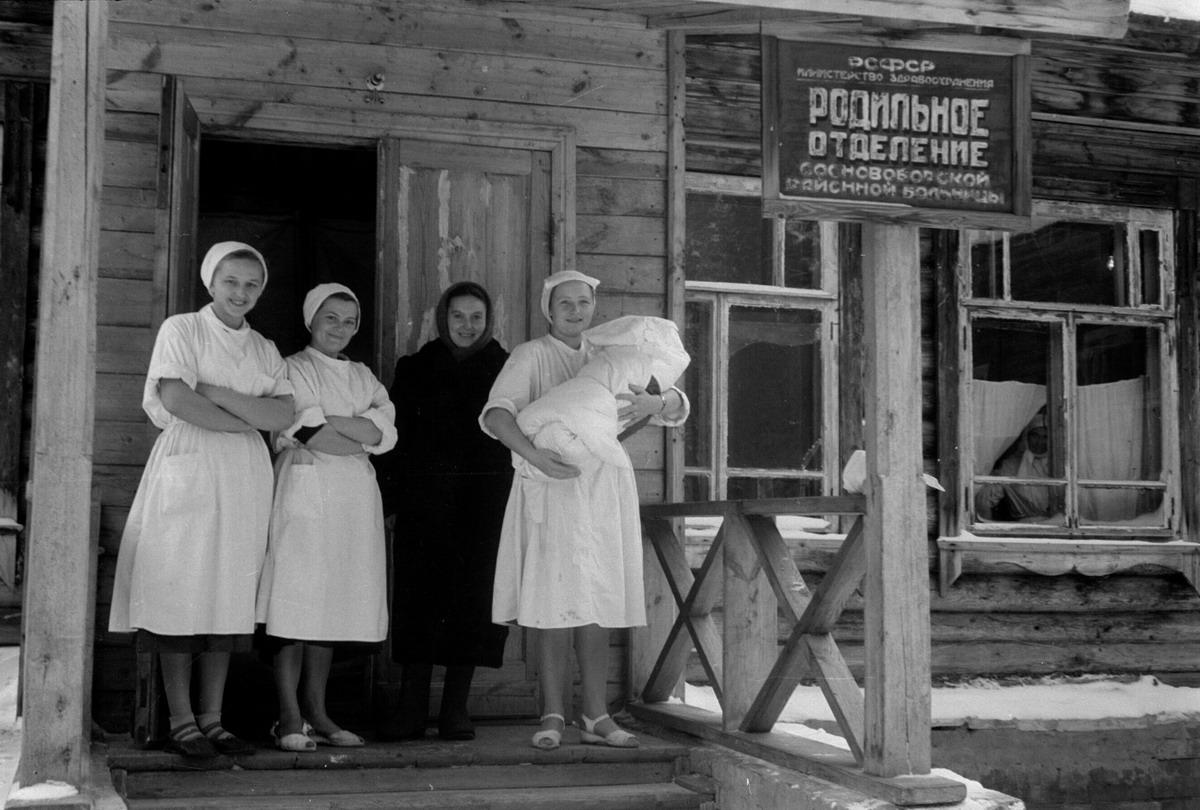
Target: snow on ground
1181, 9
1043, 702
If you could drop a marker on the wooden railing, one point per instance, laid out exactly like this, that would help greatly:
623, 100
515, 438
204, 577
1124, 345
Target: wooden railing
752, 675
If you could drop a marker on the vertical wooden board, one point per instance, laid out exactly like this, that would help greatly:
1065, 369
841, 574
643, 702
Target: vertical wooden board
896, 594
750, 623
60, 567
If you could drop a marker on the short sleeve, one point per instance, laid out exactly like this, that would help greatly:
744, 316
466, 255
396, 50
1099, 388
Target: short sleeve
513, 388
174, 358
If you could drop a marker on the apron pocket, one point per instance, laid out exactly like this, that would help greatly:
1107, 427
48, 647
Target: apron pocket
182, 486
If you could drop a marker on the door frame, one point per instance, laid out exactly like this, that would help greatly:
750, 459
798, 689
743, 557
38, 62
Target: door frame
557, 142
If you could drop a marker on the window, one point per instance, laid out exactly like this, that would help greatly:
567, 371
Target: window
760, 321
1066, 409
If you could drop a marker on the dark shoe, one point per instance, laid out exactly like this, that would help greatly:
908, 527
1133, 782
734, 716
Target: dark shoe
456, 727
454, 721
187, 741
226, 743
409, 722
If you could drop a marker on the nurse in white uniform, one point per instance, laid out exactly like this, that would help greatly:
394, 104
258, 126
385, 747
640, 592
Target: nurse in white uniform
196, 535
570, 557
325, 575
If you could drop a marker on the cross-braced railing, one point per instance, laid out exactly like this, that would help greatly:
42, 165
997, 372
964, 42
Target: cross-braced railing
750, 571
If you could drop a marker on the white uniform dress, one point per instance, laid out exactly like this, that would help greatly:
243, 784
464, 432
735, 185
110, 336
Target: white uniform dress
196, 535
570, 550
325, 577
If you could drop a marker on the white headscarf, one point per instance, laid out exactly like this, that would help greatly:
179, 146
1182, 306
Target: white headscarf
317, 295
562, 277
218, 252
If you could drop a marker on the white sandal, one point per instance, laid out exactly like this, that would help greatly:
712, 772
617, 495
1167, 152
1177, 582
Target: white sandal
549, 738
617, 738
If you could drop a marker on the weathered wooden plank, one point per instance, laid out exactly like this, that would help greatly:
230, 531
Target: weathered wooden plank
123, 349
124, 443
639, 236
452, 25
807, 756
1098, 18
661, 612
61, 552
238, 784
231, 105
130, 164
897, 603
438, 71
617, 162
620, 196
119, 397
124, 302
617, 305
638, 275
749, 630
26, 52
136, 127
127, 254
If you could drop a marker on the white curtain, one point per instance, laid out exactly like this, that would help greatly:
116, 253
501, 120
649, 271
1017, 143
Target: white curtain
1111, 438
1001, 410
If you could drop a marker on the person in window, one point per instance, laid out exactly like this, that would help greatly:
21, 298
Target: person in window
1029, 457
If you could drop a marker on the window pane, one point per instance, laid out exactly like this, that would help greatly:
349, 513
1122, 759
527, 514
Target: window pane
1121, 505
697, 339
1015, 438
1148, 247
802, 253
727, 240
987, 264
1010, 502
1119, 404
748, 488
1070, 263
774, 388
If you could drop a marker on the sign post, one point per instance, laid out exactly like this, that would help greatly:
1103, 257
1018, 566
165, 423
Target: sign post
896, 137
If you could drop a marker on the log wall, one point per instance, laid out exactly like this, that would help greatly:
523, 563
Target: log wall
296, 72
1115, 122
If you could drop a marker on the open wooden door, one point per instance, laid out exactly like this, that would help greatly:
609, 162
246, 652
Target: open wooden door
174, 291
456, 212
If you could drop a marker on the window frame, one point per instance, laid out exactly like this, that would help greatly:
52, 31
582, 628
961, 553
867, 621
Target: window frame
724, 296
1068, 318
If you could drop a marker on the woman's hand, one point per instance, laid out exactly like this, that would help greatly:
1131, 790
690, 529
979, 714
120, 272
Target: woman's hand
552, 465
639, 404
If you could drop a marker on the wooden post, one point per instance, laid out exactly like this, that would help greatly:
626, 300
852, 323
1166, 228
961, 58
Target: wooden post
896, 589
751, 623
60, 572
644, 644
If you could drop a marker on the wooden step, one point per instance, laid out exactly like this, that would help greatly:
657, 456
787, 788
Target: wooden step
660, 796
178, 784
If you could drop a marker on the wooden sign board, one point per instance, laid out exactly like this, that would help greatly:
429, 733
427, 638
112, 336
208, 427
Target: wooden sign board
883, 132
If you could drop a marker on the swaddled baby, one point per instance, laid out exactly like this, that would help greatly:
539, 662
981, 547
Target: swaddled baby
578, 418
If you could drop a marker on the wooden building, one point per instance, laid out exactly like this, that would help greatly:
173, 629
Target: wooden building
398, 145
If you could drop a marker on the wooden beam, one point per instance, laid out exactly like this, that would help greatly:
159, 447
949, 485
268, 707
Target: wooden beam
1092, 18
896, 586
60, 572
751, 625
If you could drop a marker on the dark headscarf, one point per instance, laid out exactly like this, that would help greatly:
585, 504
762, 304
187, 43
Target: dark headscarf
456, 290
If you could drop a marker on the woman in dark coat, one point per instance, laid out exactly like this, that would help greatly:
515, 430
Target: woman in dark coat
447, 483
